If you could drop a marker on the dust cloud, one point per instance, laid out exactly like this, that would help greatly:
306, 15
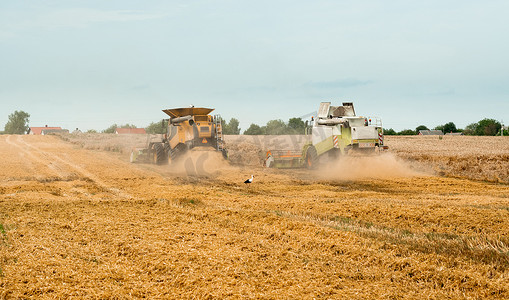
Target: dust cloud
383, 166
204, 163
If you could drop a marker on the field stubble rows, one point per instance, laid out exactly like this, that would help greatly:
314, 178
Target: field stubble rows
78, 223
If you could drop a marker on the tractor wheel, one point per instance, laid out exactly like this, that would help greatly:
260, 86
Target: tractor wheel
311, 158
160, 156
179, 150
167, 151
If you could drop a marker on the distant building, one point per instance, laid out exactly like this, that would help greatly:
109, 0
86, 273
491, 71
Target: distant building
454, 133
45, 130
130, 131
431, 132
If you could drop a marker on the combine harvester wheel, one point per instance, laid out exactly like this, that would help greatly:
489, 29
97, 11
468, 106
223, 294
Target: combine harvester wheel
160, 156
311, 158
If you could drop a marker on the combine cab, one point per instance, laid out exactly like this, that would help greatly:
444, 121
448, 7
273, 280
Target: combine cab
336, 131
188, 128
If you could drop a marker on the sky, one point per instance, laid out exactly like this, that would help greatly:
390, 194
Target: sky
90, 64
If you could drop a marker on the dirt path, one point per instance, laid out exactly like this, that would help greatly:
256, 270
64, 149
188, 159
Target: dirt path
80, 223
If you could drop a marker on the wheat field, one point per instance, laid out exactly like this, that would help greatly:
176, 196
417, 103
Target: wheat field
429, 219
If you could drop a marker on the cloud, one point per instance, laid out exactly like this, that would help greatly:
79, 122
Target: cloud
85, 17
67, 18
429, 91
342, 83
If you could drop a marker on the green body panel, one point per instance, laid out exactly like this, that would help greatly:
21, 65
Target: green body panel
296, 162
345, 139
324, 146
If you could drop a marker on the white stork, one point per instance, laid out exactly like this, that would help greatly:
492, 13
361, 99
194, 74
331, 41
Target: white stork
250, 180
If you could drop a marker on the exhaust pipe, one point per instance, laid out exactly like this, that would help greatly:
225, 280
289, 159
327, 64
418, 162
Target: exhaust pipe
332, 122
181, 119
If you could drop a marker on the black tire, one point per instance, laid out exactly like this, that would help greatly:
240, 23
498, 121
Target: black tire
179, 150
167, 151
160, 155
311, 158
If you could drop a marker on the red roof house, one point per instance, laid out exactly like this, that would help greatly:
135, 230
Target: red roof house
43, 130
130, 131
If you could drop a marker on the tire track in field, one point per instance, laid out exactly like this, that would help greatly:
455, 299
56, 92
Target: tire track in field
33, 158
75, 167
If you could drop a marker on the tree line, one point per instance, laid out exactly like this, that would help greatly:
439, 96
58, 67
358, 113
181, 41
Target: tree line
18, 124
298, 126
483, 127
231, 127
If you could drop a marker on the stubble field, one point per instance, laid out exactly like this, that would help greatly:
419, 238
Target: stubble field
429, 219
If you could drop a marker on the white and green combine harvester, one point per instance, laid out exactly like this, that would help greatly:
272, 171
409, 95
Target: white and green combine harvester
336, 131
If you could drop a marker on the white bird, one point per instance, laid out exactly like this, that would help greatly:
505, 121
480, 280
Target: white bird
191, 106
250, 180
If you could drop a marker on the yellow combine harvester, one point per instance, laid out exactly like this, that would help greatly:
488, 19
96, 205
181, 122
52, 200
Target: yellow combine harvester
188, 128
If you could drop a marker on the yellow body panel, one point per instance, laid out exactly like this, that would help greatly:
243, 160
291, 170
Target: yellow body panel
204, 124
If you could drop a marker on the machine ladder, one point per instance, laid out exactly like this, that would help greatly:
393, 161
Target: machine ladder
219, 133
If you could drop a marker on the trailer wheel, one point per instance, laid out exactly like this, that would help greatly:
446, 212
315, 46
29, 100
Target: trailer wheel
311, 158
160, 156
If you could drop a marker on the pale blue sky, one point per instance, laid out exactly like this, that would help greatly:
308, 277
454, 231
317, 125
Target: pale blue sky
89, 64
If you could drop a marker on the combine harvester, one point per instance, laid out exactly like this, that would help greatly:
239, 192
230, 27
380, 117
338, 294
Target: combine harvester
335, 131
188, 128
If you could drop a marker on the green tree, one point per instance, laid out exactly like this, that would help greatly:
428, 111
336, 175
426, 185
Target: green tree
18, 123
390, 131
406, 132
296, 126
91, 131
157, 127
419, 128
231, 127
448, 127
112, 128
254, 130
487, 127
470, 129
275, 127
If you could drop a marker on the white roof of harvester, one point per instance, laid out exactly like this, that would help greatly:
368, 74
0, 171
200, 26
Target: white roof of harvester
326, 110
